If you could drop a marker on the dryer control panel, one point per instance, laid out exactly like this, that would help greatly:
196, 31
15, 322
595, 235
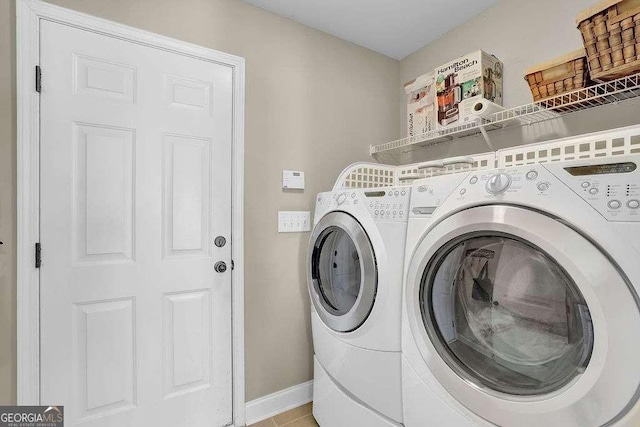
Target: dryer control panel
384, 204
388, 203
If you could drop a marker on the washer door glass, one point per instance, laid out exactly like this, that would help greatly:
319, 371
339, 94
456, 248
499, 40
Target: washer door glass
343, 275
338, 271
504, 315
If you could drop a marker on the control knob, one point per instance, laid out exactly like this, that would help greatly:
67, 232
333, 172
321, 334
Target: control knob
499, 183
341, 198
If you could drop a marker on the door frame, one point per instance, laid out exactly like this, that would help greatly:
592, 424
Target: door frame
28, 16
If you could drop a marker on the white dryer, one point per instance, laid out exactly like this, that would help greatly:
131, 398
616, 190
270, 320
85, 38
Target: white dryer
521, 302
355, 268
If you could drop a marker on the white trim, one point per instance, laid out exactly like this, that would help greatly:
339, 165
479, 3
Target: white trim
28, 14
28, 220
278, 402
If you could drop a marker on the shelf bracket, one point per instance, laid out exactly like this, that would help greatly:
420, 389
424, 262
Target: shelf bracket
487, 139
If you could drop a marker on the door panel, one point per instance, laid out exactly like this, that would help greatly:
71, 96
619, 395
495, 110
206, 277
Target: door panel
187, 194
107, 356
135, 184
103, 193
187, 357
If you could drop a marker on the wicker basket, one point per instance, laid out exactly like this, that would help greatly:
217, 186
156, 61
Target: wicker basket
560, 75
611, 34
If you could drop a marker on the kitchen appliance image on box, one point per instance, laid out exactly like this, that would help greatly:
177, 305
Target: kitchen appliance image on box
461, 82
421, 112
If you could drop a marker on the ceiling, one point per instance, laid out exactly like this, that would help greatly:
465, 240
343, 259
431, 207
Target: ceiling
394, 28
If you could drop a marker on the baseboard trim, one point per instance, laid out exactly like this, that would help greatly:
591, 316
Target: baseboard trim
278, 402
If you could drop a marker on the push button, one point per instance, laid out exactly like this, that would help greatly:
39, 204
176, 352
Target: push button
531, 175
633, 204
614, 204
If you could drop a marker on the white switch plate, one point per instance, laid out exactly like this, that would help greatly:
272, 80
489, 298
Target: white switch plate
294, 221
293, 180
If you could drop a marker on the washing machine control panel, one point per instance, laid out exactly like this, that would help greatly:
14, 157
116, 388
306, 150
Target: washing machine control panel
503, 184
611, 186
612, 189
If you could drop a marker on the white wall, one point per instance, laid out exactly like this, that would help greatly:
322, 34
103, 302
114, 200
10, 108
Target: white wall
521, 33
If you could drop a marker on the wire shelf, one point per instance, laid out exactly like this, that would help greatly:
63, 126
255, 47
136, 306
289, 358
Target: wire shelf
548, 109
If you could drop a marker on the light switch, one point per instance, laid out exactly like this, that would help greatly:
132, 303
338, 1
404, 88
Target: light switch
293, 180
294, 221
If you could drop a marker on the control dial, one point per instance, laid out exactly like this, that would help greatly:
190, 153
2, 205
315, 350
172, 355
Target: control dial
499, 183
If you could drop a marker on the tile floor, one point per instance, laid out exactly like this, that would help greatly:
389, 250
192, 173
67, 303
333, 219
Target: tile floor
296, 417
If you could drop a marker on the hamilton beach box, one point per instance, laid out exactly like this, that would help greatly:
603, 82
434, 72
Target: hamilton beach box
462, 82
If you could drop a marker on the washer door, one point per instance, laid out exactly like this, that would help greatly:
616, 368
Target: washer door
505, 315
523, 320
342, 272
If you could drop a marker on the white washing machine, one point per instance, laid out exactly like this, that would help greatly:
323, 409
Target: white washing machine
521, 302
355, 268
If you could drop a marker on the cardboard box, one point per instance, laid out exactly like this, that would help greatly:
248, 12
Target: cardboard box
421, 108
462, 82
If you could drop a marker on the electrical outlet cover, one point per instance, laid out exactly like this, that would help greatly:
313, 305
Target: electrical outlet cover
294, 221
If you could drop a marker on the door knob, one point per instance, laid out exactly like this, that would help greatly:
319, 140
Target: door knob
220, 267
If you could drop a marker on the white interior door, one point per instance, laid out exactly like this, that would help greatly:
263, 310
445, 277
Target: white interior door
135, 185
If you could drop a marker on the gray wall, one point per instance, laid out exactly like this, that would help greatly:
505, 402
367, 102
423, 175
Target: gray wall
313, 103
521, 33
